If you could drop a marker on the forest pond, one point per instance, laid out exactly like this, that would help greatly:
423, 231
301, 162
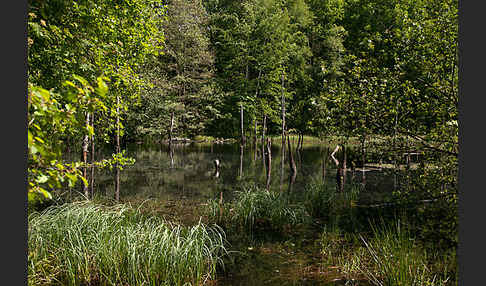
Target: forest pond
177, 184
189, 174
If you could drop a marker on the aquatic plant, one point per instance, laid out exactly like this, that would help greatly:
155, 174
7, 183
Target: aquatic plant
85, 243
396, 258
323, 200
255, 207
388, 255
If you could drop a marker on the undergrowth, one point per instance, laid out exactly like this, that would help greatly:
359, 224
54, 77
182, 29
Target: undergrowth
86, 244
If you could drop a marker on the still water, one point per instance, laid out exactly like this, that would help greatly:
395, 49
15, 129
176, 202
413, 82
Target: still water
189, 173
188, 177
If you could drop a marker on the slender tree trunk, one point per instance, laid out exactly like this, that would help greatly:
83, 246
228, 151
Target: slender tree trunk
344, 162
171, 128
117, 168
283, 112
263, 139
255, 142
241, 161
220, 205
85, 157
292, 165
92, 155
269, 162
282, 162
256, 96
293, 168
171, 147
363, 154
339, 171
395, 163
171, 156
242, 127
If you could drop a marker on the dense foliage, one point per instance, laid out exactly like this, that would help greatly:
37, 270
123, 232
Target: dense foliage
75, 50
383, 74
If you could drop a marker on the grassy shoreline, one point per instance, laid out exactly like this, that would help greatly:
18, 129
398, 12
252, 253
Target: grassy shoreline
84, 243
319, 228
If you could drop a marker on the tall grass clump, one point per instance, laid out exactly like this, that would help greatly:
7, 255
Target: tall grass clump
86, 244
396, 259
323, 200
255, 207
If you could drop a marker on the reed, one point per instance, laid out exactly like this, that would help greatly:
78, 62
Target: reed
322, 200
86, 244
255, 207
396, 259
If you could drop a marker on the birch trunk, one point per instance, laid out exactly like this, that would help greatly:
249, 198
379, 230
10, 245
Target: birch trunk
283, 112
85, 158
269, 162
92, 156
255, 142
263, 139
117, 169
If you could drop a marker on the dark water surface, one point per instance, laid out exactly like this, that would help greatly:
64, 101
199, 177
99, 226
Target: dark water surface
190, 174
188, 177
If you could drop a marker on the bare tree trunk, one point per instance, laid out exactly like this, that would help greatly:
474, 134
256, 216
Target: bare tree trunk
255, 142
171, 128
301, 141
283, 112
293, 168
363, 154
171, 156
85, 158
292, 165
395, 165
221, 205
339, 171
256, 96
298, 150
282, 162
117, 169
171, 148
269, 162
92, 156
263, 139
216, 168
344, 162
242, 129
241, 161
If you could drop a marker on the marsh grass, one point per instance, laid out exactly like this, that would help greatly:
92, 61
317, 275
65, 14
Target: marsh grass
322, 200
389, 255
254, 207
88, 244
397, 259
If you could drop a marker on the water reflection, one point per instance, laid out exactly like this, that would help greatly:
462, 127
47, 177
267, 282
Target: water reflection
190, 170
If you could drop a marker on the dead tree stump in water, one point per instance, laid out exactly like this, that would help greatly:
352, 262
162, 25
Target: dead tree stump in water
339, 171
293, 168
216, 168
